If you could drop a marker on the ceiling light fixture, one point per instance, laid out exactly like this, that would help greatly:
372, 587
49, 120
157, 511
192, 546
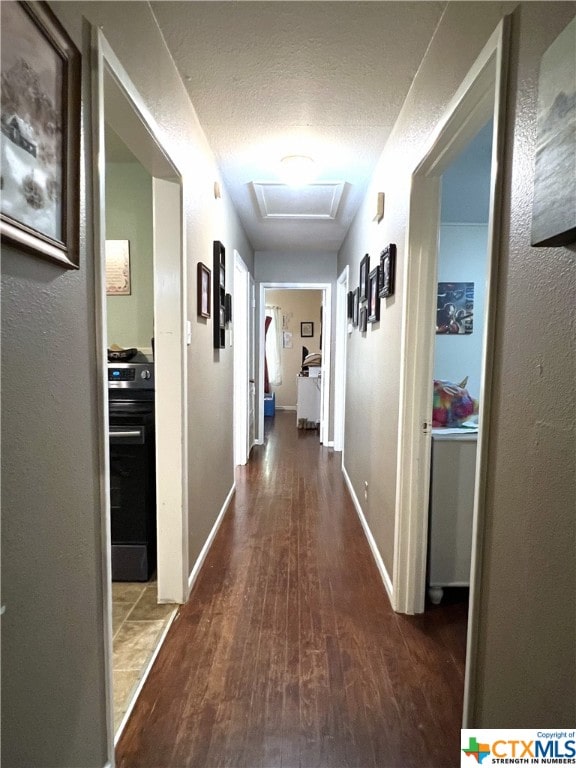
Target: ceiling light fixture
297, 170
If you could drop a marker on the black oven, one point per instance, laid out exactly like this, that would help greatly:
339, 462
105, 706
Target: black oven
132, 471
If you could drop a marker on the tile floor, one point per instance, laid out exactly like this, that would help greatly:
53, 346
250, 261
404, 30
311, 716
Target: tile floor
138, 624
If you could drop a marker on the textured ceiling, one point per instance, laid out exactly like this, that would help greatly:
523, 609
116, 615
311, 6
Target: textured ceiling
270, 79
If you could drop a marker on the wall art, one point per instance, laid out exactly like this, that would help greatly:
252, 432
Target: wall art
455, 308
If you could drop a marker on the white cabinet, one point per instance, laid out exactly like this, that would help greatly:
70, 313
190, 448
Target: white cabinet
308, 404
451, 511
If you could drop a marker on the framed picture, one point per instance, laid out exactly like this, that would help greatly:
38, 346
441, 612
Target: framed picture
356, 307
118, 268
364, 272
455, 308
204, 288
554, 207
363, 319
40, 134
228, 308
307, 329
350, 305
373, 298
387, 271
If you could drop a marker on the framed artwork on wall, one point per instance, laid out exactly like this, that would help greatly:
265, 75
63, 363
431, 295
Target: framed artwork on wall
307, 329
373, 298
364, 272
118, 268
356, 307
363, 319
219, 289
455, 308
554, 207
350, 305
40, 136
387, 271
204, 288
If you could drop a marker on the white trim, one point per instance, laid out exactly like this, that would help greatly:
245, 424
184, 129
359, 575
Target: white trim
471, 107
387, 581
341, 343
241, 363
285, 407
143, 678
208, 543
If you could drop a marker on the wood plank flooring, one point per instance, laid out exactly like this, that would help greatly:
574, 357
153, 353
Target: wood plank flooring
287, 654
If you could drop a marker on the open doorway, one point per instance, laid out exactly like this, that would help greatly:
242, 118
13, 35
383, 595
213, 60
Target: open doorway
120, 113
480, 98
297, 338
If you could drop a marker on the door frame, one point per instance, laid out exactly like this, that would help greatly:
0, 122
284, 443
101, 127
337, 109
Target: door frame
326, 288
241, 290
112, 86
341, 345
481, 95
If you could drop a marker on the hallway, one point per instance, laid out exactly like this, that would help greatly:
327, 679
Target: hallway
287, 653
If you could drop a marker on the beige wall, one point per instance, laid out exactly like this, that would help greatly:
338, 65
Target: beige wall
526, 658
296, 306
52, 634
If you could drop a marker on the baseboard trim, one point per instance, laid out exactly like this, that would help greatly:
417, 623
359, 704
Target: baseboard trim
371, 541
208, 543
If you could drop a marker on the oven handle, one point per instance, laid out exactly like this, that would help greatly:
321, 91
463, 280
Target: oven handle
127, 435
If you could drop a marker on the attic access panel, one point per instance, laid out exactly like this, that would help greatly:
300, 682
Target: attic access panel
315, 202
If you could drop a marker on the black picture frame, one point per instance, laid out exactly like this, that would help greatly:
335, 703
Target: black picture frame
363, 319
364, 272
350, 305
373, 297
204, 290
356, 307
219, 289
307, 329
228, 307
40, 122
387, 271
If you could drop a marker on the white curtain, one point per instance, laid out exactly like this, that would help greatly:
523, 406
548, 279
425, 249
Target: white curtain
274, 346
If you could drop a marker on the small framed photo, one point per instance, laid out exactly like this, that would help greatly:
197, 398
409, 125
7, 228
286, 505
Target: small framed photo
40, 138
364, 272
228, 307
350, 306
363, 319
307, 329
356, 307
373, 298
204, 290
387, 271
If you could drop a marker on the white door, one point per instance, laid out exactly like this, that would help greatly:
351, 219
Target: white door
252, 365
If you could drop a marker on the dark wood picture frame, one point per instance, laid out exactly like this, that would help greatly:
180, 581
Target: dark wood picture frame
204, 290
387, 271
40, 212
356, 307
363, 319
228, 308
219, 288
373, 298
307, 329
350, 305
364, 272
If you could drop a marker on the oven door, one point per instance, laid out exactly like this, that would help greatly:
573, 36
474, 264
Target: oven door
132, 490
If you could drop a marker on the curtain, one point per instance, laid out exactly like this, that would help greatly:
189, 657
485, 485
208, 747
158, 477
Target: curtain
274, 346
267, 322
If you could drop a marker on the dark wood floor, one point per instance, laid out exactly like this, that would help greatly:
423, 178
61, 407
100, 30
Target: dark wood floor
287, 654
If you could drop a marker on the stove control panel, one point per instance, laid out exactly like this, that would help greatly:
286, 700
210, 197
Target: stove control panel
131, 375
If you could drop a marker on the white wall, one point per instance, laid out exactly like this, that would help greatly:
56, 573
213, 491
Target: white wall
129, 217
462, 259
296, 307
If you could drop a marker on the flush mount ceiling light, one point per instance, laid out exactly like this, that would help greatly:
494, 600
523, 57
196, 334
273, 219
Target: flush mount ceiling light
297, 170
